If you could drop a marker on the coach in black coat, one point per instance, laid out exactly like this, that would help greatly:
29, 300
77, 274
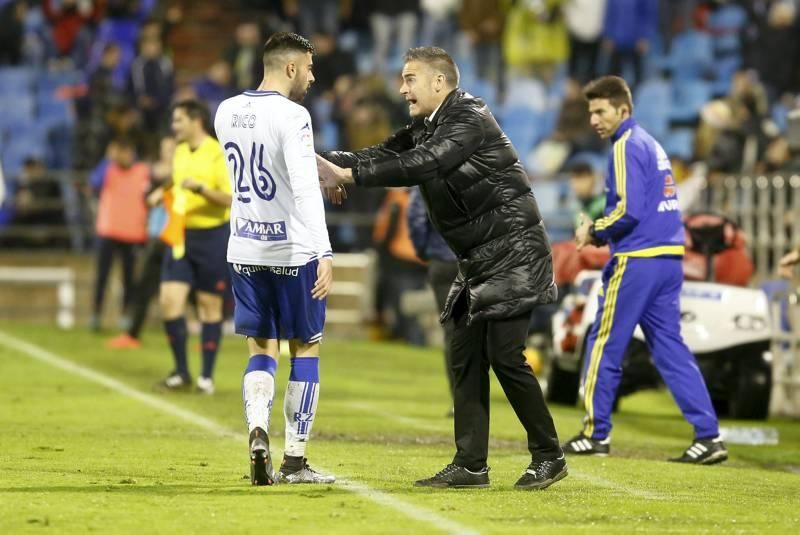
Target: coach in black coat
479, 198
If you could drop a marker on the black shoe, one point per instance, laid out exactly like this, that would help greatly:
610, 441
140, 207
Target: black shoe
175, 382
542, 474
261, 471
707, 451
583, 445
453, 476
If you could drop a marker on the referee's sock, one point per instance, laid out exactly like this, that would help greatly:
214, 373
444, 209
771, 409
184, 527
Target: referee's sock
176, 335
210, 336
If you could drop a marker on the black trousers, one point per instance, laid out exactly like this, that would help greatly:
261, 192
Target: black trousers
441, 276
499, 344
583, 59
106, 250
147, 284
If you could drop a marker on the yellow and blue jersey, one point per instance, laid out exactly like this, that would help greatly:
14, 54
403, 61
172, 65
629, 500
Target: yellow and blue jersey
642, 217
205, 164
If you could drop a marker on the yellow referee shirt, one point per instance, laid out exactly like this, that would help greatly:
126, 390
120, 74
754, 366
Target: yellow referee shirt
205, 164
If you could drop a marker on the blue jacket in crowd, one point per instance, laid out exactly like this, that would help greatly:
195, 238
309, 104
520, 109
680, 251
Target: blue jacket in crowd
629, 21
428, 243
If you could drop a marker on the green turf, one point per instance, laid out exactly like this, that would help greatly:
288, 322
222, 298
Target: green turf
77, 457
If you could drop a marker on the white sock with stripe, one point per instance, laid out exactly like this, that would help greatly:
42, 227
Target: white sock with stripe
300, 404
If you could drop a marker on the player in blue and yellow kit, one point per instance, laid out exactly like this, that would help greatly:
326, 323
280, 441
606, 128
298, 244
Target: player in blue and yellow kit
642, 281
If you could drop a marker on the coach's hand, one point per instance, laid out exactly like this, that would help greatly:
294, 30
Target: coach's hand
324, 279
336, 195
582, 236
331, 175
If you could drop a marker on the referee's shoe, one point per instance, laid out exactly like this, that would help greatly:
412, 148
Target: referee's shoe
704, 451
583, 445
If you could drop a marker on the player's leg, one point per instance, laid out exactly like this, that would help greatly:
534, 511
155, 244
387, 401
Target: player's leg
105, 248
128, 255
302, 320
678, 367
626, 290
211, 281
256, 318
176, 283
209, 310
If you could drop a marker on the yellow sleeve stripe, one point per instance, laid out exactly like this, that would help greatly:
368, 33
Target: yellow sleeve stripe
662, 250
620, 174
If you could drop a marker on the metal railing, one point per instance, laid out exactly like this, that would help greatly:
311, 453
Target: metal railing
766, 208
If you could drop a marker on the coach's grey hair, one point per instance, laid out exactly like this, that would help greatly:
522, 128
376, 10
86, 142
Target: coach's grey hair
438, 58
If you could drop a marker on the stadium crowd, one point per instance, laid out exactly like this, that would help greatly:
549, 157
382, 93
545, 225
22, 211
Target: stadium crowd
715, 81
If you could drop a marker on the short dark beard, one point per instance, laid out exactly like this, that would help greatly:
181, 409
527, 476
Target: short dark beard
298, 92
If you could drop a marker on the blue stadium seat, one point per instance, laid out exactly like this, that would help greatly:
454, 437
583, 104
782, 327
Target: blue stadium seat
729, 18
485, 89
16, 80
553, 198
51, 81
653, 103
724, 69
523, 126
680, 142
691, 55
16, 109
689, 97
18, 149
53, 111
525, 92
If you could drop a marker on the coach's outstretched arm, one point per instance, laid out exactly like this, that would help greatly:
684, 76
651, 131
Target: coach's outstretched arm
455, 139
400, 141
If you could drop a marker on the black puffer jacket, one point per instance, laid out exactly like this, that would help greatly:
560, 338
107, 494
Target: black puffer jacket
479, 199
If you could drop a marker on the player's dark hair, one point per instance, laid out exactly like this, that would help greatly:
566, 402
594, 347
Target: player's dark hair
438, 58
196, 110
612, 88
279, 44
124, 142
581, 168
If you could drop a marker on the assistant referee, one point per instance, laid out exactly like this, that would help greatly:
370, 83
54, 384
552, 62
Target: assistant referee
198, 236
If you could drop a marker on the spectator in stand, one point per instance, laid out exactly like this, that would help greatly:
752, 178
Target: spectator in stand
71, 22
392, 22
772, 45
330, 63
627, 30
572, 125
314, 16
535, 39
244, 56
214, 86
584, 20
12, 32
152, 82
399, 268
584, 183
121, 218
482, 21
149, 278
102, 96
36, 205
439, 23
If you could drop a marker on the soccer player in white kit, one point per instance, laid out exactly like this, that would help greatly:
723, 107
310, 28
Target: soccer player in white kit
279, 252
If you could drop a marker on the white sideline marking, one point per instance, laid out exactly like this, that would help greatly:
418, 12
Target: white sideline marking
617, 487
39, 353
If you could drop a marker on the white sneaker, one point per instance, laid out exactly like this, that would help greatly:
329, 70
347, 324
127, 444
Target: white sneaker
205, 385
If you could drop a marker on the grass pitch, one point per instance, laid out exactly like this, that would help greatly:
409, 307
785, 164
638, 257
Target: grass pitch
78, 456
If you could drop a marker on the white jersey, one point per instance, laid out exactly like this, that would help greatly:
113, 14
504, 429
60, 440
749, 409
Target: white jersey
277, 213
